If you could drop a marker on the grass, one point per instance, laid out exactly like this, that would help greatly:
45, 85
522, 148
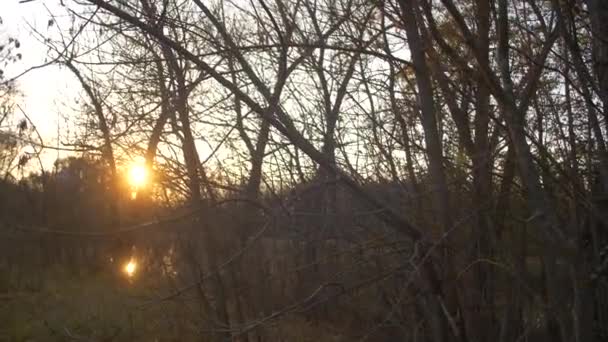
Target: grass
58, 305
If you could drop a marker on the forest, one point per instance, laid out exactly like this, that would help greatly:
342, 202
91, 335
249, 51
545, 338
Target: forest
308, 170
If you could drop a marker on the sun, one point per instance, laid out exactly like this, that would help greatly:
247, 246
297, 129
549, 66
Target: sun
138, 176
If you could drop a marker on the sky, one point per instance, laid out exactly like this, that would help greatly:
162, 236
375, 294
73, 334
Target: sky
49, 93
46, 92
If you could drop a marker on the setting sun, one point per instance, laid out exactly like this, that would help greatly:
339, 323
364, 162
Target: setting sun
138, 175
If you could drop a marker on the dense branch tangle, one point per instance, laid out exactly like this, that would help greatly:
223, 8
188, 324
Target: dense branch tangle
422, 112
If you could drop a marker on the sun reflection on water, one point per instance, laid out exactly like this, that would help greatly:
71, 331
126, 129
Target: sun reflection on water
130, 268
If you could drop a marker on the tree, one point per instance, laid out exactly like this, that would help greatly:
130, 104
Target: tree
488, 116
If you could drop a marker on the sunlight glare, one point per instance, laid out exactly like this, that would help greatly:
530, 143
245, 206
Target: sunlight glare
138, 175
